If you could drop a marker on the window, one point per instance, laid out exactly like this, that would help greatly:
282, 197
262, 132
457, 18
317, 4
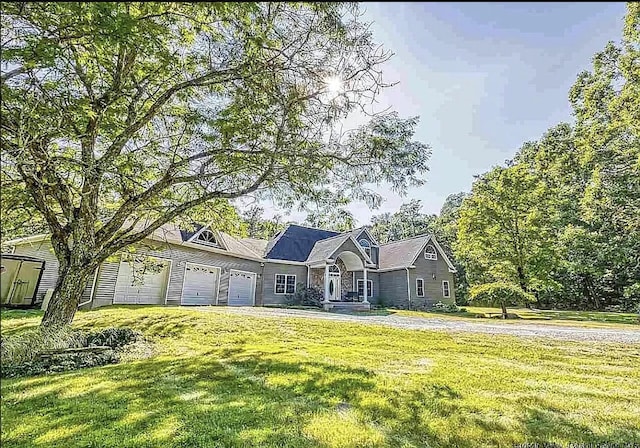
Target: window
285, 284
430, 253
445, 289
366, 246
207, 237
420, 287
361, 288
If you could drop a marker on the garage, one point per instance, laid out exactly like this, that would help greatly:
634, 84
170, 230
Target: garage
242, 288
200, 285
142, 281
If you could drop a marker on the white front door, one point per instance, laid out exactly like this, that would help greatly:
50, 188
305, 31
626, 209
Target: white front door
242, 288
149, 289
334, 286
200, 285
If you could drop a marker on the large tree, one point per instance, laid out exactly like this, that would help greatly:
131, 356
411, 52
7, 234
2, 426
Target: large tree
120, 117
504, 230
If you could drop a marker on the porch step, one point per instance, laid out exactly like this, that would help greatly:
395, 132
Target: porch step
350, 306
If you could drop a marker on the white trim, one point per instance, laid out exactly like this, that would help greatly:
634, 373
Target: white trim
452, 268
373, 240
397, 268
27, 239
367, 247
448, 289
184, 276
166, 294
275, 281
422, 280
93, 288
432, 239
362, 280
367, 260
255, 283
432, 256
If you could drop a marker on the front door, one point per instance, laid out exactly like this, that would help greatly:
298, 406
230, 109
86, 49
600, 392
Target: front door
334, 286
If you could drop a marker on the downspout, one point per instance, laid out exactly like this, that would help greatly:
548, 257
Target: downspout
408, 288
308, 276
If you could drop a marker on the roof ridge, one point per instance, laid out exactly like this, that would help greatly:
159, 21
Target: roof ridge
239, 241
408, 239
315, 228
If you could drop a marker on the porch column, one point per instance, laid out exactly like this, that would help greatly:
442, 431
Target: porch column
326, 283
364, 276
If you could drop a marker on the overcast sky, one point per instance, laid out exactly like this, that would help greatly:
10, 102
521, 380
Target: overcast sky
484, 78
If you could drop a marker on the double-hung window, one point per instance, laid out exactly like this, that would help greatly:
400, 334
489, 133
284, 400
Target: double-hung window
285, 284
420, 287
361, 288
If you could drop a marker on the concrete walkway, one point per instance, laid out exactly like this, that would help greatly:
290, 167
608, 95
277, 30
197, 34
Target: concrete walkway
629, 335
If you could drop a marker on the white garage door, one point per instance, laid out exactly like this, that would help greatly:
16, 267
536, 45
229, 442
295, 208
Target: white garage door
149, 288
242, 288
200, 284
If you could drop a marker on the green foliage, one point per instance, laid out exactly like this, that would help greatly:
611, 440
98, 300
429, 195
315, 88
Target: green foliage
121, 117
499, 294
21, 353
259, 227
305, 296
113, 337
447, 308
316, 382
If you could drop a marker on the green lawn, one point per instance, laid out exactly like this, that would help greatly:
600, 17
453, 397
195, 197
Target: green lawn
222, 379
574, 318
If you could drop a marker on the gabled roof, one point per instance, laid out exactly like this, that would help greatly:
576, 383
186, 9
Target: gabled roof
357, 232
324, 248
401, 254
256, 245
296, 242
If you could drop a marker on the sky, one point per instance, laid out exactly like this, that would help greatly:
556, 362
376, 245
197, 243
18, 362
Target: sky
483, 77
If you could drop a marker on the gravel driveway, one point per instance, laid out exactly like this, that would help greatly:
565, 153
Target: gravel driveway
628, 336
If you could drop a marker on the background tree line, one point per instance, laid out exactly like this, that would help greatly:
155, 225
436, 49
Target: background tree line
561, 220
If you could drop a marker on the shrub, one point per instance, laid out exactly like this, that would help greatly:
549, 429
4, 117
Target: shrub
305, 296
29, 353
445, 308
500, 294
113, 337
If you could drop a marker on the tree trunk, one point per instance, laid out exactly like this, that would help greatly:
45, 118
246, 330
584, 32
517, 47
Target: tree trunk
521, 278
504, 310
67, 294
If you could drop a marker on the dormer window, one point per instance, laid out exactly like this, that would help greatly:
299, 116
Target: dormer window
366, 246
430, 253
207, 237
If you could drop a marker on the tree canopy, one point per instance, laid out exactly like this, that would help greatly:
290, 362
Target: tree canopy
120, 117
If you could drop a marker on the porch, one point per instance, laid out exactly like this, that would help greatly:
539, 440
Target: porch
336, 277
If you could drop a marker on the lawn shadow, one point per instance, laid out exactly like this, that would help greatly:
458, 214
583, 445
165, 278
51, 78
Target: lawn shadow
231, 398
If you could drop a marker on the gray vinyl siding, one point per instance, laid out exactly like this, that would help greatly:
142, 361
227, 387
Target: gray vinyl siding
373, 276
347, 246
179, 256
432, 288
393, 289
374, 249
269, 296
44, 251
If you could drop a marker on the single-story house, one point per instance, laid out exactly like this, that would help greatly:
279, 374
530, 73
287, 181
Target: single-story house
210, 267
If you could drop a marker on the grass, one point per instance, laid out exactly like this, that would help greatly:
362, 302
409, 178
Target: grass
227, 380
597, 319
